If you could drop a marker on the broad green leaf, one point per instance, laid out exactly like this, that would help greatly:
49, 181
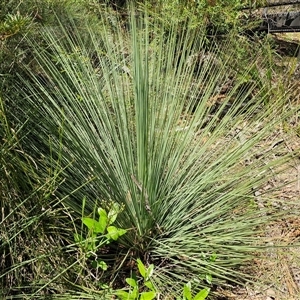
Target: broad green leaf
213, 257
147, 295
101, 264
134, 293
187, 295
208, 278
142, 268
202, 294
149, 272
132, 282
114, 233
92, 225
121, 231
113, 213
102, 219
149, 285
123, 295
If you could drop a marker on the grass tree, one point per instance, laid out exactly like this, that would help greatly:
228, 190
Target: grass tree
156, 121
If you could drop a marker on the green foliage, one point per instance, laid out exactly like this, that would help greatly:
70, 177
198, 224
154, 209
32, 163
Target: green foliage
149, 292
217, 15
134, 114
187, 293
26, 18
100, 233
214, 16
134, 292
13, 24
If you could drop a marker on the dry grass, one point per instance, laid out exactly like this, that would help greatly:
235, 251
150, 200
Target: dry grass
276, 273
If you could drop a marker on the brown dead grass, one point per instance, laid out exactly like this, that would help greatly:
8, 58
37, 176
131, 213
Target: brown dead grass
276, 273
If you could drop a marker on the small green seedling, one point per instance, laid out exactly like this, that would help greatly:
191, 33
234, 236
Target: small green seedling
100, 232
202, 295
187, 293
134, 291
208, 277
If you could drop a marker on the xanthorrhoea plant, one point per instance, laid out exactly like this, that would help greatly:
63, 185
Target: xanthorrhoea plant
133, 110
